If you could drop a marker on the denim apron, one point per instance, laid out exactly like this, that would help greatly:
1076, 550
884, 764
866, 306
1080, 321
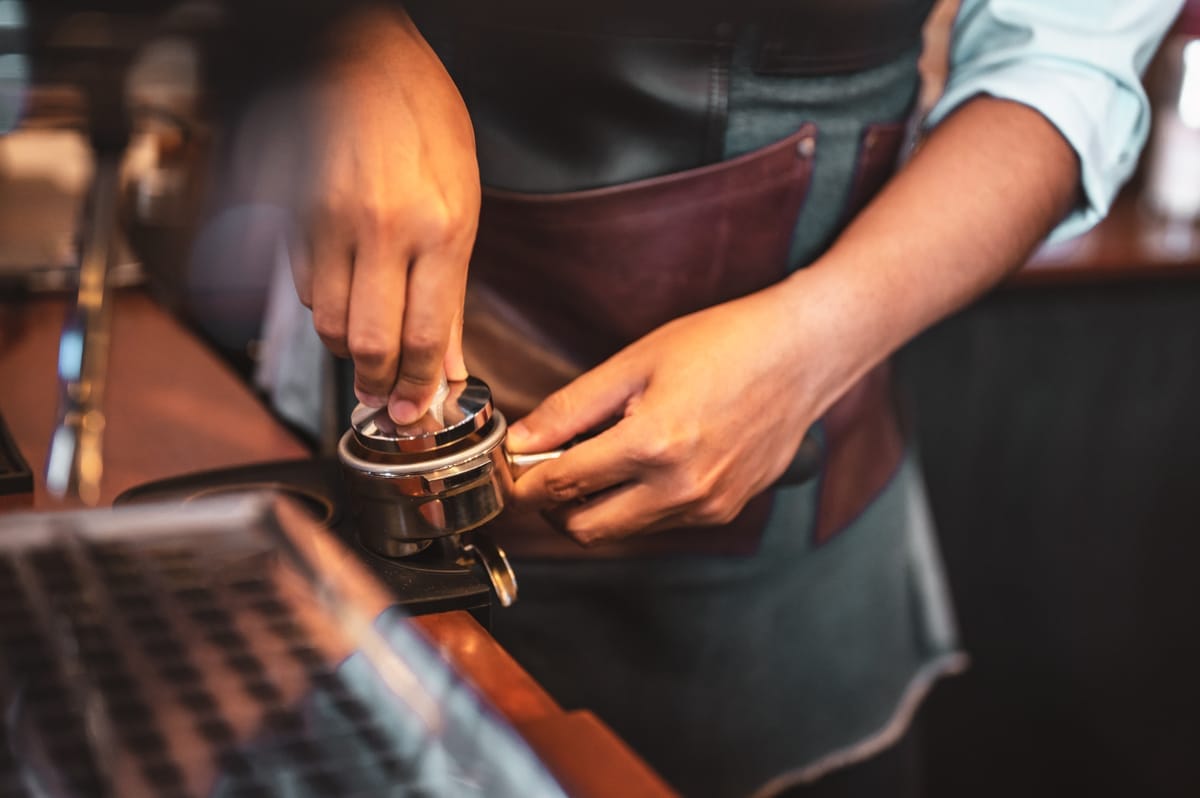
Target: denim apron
739, 660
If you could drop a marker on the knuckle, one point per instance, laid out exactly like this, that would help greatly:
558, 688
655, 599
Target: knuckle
692, 493
329, 211
419, 355
716, 511
445, 223
560, 404
654, 451
667, 448
381, 217
420, 342
693, 489
560, 489
442, 233
330, 326
369, 349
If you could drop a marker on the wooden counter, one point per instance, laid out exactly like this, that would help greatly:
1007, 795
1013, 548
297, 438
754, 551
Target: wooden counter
1130, 244
172, 408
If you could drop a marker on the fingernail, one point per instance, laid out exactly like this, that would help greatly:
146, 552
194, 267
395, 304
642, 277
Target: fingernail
403, 412
369, 399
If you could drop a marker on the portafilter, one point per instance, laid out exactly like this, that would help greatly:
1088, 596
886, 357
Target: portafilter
444, 475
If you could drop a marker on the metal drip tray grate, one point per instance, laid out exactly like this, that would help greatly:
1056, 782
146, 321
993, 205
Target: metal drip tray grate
228, 649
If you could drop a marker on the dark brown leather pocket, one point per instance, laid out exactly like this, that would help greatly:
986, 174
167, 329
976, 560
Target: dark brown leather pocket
878, 155
864, 447
589, 272
598, 269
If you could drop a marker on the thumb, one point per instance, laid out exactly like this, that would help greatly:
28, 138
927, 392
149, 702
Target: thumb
586, 403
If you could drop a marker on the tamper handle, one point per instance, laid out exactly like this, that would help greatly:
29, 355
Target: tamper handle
805, 465
520, 463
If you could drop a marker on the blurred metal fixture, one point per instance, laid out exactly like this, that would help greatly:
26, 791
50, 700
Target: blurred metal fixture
89, 45
75, 462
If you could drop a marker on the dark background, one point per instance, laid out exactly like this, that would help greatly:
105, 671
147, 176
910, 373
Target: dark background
1060, 434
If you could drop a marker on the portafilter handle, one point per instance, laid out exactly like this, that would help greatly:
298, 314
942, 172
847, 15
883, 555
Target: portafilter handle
805, 464
518, 464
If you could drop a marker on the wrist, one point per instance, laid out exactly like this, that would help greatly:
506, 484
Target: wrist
839, 328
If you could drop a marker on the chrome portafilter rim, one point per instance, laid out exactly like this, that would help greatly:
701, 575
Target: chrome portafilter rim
425, 464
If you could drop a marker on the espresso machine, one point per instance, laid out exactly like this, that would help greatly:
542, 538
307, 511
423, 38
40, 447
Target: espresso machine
409, 501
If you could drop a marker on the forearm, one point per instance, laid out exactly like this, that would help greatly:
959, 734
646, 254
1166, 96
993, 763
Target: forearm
980, 194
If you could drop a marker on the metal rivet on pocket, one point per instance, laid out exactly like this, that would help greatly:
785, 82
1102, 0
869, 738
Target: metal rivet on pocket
806, 146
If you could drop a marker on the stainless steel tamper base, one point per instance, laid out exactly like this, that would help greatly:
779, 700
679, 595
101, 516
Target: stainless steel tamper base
411, 485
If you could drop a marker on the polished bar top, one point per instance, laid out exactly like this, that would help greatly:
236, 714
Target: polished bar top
1130, 244
173, 408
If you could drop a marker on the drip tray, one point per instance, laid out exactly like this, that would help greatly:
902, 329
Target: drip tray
228, 648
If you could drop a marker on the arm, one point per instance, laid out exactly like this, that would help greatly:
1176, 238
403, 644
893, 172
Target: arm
966, 210
990, 182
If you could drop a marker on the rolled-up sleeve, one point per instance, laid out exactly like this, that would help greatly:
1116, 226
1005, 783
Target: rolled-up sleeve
1078, 63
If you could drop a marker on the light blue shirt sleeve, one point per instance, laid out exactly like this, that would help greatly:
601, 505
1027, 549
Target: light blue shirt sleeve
1078, 63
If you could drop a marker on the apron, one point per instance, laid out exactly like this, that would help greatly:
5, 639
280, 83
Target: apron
637, 168
559, 282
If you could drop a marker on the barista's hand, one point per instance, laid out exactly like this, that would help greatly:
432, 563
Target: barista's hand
713, 407
715, 403
391, 215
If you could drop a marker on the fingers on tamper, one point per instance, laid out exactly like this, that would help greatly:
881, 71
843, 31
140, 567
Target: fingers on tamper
434, 299
331, 270
377, 302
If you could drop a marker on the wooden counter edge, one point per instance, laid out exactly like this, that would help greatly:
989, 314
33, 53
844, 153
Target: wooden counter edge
475, 654
586, 757
589, 760
1129, 244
